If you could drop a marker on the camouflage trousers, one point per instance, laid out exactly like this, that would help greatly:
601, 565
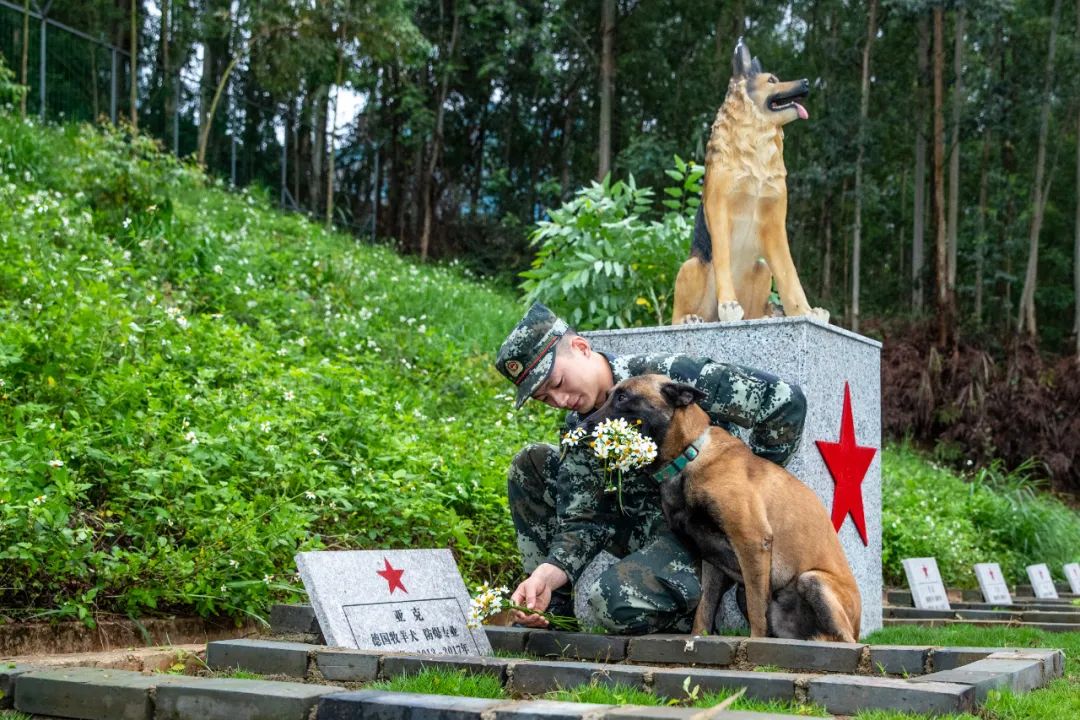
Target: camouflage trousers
655, 585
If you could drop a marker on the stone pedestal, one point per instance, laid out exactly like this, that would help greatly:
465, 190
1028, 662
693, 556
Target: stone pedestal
822, 360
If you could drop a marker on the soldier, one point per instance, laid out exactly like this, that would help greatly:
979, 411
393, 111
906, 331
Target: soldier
562, 514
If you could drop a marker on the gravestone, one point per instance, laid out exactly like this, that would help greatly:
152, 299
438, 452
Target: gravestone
992, 583
1042, 583
839, 372
391, 601
1072, 574
923, 578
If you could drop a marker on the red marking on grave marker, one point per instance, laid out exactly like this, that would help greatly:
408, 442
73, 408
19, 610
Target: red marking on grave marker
392, 576
847, 463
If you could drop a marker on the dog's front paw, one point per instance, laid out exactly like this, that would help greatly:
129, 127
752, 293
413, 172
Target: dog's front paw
728, 311
819, 314
691, 320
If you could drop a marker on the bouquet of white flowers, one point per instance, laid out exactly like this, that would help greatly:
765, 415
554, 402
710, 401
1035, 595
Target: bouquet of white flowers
490, 601
619, 446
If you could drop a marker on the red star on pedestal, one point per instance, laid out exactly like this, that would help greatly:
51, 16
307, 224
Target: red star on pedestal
847, 463
393, 577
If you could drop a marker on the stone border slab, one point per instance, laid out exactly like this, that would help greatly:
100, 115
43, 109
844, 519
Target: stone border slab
899, 659
805, 654
759, 685
347, 665
396, 665
941, 622
88, 693
683, 650
507, 639
8, 673
535, 678
228, 699
289, 619
986, 675
265, 657
847, 695
582, 646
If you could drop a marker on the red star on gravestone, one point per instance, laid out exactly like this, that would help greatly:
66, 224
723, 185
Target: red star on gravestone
393, 577
847, 463
992, 575
925, 573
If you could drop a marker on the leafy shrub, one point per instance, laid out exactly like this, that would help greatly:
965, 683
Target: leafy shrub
602, 263
993, 516
194, 387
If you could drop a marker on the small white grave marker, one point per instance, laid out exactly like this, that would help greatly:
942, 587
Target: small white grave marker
391, 601
992, 583
1041, 581
925, 582
1072, 572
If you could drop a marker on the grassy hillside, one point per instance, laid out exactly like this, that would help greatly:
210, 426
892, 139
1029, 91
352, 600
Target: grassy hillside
194, 387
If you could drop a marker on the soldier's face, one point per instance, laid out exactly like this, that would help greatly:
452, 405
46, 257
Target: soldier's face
577, 379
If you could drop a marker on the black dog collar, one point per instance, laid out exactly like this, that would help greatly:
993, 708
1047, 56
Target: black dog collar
676, 466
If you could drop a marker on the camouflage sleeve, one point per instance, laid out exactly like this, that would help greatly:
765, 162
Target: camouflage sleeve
773, 410
585, 513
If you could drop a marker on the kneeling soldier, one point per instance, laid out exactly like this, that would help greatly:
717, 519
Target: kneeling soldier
561, 510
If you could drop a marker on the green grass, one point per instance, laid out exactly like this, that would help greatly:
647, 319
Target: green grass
444, 682
13, 715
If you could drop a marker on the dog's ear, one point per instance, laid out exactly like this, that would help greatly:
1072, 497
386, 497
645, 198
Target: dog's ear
741, 62
680, 394
755, 67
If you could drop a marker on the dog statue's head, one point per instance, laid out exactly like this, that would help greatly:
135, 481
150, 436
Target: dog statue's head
654, 403
778, 101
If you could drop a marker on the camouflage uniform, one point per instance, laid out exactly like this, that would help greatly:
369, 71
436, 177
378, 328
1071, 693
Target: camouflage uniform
565, 513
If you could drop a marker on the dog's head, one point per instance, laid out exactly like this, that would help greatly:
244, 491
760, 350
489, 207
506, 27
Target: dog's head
778, 101
653, 403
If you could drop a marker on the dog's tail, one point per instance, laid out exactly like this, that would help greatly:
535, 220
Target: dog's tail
701, 246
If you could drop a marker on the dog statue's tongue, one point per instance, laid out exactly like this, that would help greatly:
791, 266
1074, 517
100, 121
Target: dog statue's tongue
802, 112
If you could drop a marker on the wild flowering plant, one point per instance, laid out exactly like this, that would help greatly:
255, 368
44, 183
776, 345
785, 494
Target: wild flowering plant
490, 601
619, 447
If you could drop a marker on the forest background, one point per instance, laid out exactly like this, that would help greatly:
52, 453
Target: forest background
932, 193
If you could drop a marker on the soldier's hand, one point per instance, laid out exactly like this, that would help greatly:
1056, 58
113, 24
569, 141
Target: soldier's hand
535, 594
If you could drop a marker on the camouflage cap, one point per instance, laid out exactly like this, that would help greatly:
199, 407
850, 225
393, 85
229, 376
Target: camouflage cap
528, 353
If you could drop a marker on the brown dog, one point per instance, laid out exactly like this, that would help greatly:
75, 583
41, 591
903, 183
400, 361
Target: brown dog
740, 240
750, 520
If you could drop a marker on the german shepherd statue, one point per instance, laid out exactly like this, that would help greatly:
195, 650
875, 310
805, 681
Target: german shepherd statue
740, 241
750, 521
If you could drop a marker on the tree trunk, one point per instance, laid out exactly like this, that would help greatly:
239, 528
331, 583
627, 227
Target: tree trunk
940, 238
1076, 226
864, 108
25, 55
166, 75
954, 154
437, 141
320, 110
607, 80
134, 65
918, 235
1025, 321
826, 260
980, 227
333, 131
208, 118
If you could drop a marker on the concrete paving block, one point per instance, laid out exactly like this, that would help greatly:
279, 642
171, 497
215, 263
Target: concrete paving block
8, 673
580, 646
899, 597
549, 710
381, 705
229, 699
507, 639
752, 715
804, 654
986, 675
346, 665
949, 658
395, 665
290, 619
898, 659
1053, 661
624, 675
848, 694
683, 649
1042, 616
265, 657
89, 693
648, 712
536, 677
759, 685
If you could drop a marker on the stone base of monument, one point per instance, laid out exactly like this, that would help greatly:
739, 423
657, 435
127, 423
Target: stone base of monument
840, 374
